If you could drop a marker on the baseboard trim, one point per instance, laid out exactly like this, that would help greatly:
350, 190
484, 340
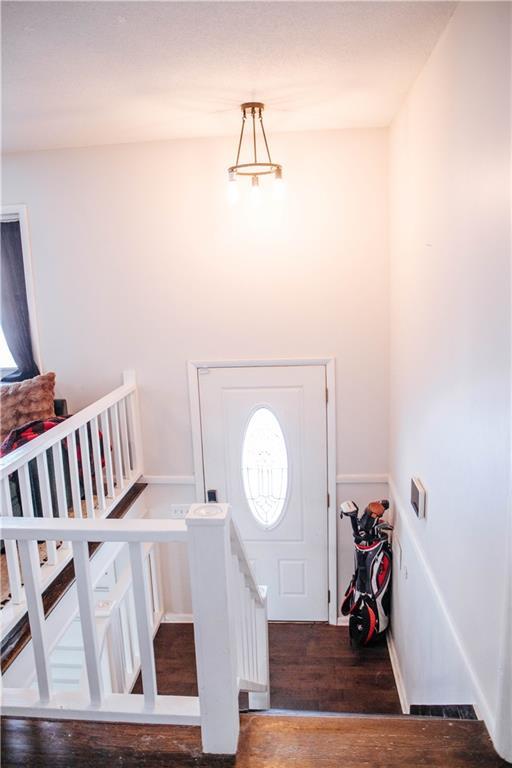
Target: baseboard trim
343, 621
397, 673
177, 618
480, 702
368, 479
169, 479
363, 479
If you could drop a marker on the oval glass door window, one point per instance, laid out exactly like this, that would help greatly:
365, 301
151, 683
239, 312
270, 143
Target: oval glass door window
265, 467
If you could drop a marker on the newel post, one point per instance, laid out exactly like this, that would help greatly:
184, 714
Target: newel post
210, 562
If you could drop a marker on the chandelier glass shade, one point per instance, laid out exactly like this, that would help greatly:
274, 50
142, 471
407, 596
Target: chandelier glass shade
252, 111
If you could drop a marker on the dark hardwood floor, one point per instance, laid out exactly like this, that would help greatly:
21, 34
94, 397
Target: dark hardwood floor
312, 667
265, 742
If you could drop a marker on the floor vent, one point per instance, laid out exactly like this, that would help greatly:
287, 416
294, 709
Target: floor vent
449, 711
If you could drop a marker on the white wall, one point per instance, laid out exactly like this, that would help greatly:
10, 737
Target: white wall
450, 360
140, 263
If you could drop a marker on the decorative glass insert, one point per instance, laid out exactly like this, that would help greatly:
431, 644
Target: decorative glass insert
265, 467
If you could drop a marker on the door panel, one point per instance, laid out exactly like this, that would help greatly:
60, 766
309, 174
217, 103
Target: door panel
279, 414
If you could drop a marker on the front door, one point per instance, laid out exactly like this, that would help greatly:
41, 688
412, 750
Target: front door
264, 446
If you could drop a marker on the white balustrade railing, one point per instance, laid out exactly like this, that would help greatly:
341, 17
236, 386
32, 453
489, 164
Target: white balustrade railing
251, 627
230, 625
80, 468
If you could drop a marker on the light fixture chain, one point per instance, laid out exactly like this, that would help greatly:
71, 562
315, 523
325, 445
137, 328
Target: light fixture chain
254, 134
240, 141
265, 138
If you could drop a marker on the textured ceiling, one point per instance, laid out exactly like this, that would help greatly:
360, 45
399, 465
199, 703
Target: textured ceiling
85, 73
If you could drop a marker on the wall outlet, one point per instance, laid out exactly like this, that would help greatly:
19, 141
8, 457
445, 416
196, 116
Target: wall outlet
178, 511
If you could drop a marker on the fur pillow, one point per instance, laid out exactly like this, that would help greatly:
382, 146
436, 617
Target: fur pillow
26, 401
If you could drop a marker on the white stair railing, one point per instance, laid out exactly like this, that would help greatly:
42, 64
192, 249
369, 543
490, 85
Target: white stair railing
230, 625
251, 628
95, 454
95, 703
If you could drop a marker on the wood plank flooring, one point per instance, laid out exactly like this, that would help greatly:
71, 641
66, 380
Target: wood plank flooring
312, 667
265, 742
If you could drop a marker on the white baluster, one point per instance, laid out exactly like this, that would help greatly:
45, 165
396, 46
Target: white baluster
126, 637
261, 700
144, 624
60, 481
116, 448
243, 624
86, 470
236, 610
107, 452
134, 430
27, 508
46, 502
254, 662
74, 475
248, 604
60, 484
115, 654
132, 623
29, 556
87, 620
152, 564
125, 449
98, 469
11, 552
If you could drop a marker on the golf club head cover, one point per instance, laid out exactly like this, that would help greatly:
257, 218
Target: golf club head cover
372, 514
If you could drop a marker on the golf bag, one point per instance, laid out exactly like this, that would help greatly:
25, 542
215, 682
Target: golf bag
368, 598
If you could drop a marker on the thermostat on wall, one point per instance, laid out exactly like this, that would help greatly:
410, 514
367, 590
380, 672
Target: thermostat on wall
418, 496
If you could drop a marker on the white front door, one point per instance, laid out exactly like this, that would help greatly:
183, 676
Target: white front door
264, 446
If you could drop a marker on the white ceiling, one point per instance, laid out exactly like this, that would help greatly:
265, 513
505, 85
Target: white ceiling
85, 73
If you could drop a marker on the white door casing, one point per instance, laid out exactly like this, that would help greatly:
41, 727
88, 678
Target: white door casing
286, 404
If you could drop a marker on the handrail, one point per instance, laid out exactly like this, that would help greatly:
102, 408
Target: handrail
31, 450
245, 565
139, 529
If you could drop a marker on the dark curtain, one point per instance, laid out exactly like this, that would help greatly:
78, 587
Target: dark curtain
15, 319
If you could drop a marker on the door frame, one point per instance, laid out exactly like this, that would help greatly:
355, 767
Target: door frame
329, 363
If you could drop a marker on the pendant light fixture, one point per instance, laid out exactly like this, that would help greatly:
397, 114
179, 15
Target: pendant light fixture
253, 111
